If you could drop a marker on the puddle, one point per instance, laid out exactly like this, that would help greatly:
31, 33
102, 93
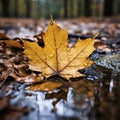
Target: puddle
104, 105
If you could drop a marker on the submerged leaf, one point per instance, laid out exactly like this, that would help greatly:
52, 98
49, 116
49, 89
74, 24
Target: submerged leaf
56, 58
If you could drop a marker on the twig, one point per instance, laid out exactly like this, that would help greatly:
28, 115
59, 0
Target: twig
1, 84
6, 76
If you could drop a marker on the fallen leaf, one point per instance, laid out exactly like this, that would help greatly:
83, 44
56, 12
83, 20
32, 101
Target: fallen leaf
56, 58
3, 36
39, 39
11, 43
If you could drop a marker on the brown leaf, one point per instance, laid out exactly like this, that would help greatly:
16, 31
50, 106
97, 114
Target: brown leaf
3, 36
11, 43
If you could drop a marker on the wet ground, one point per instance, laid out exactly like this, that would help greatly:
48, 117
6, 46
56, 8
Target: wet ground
93, 97
62, 104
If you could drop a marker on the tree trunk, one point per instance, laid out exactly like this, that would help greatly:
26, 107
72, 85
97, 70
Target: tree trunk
118, 8
65, 8
108, 8
88, 11
16, 8
78, 8
5, 8
28, 8
38, 9
71, 8
83, 8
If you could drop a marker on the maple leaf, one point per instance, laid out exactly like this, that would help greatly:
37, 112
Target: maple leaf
56, 58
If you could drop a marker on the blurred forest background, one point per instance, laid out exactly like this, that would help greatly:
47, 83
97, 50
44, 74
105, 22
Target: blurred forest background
59, 8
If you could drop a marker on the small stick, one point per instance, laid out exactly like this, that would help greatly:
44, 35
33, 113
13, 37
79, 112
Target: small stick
1, 84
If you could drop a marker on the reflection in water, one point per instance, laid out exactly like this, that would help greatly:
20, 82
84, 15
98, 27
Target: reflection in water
78, 102
68, 105
77, 106
113, 78
107, 100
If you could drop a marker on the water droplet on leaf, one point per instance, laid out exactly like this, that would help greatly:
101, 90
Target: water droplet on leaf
85, 64
68, 49
51, 55
76, 65
43, 66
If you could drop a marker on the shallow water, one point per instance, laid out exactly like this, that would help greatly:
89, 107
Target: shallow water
103, 105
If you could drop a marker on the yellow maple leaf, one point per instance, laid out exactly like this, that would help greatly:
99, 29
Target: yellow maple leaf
56, 58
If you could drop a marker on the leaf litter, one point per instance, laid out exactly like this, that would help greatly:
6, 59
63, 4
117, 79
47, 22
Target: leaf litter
81, 94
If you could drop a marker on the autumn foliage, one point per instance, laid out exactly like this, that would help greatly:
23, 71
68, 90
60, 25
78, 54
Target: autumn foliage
56, 57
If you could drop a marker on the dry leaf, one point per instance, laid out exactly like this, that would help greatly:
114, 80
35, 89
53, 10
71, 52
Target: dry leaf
12, 43
3, 36
56, 57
